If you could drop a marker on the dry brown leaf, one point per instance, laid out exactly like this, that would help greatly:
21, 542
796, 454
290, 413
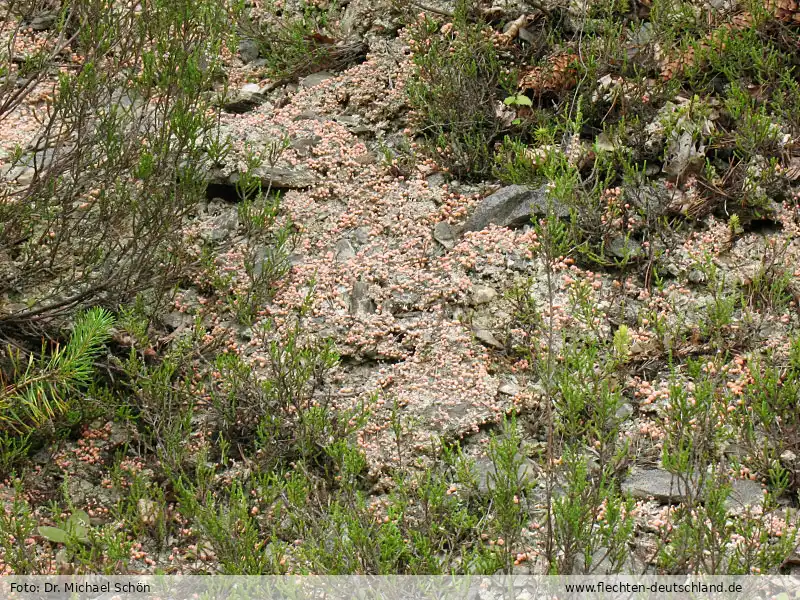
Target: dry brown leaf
715, 40
557, 74
793, 169
787, 11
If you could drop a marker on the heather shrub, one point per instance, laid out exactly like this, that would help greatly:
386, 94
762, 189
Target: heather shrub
458, 82
119, 164
94, 214
299, 43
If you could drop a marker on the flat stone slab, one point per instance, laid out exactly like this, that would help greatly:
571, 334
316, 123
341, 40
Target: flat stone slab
274, 177
662, 486
513, 206
666, 488
315, 79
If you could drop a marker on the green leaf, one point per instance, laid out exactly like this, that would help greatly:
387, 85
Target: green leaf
54, 534
518, 100
77, 527
78, 524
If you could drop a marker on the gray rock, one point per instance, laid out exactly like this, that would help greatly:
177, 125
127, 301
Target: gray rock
357, 17
309, 114
671, 268
177, 319
24, 170
639, 40
248, 50
526, 35
354, 124
43, 21
21, 175
278, 177
224, 226
513, 206
684, 154
794, 566
444, 234
122, 99
63, 560
147, 511
437, 179
515, 262
371, 352
508, 389
360, 302
696, 276
315, 79
8, 270
485, 337
246, 99
659, 484
281, 178
720, 5
483, 294
362, 235
603, 563
623, 248
80, 490
624, 411
368, 158
348, 120
736, 451
344, 250
304, 145
744, 493
401, 302
667, 488
119, 435
486, 473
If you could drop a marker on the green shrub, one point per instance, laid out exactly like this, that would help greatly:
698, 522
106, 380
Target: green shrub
119, 162
769, 418
294, 44
458, 82
17, 523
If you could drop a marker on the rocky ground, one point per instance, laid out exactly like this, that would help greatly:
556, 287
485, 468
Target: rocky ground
412, 273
